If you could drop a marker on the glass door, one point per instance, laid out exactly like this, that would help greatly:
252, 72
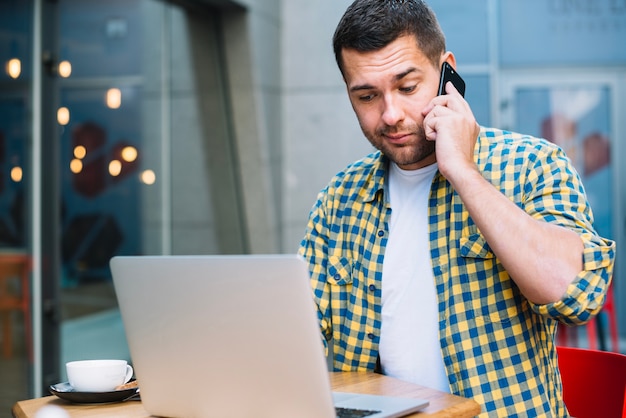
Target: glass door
142, 131
578, 119
16, 177
579, 111
100, 147
119, 143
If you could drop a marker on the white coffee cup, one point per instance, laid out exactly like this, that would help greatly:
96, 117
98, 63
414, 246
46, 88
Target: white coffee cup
98, 375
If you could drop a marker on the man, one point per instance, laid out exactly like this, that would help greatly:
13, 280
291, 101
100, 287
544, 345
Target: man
448, 256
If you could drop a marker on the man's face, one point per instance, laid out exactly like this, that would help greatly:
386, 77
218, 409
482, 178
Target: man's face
388, 89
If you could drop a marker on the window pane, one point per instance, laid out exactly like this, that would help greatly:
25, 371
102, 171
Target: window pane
101, 38
15, 181
478, 95
577, 118
540, 32
466, 25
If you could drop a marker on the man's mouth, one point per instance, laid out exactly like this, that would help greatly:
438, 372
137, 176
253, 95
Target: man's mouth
397, 138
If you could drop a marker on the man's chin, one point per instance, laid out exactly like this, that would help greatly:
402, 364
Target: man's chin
403, 160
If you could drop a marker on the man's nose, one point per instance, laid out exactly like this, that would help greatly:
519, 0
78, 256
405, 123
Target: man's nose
392, 111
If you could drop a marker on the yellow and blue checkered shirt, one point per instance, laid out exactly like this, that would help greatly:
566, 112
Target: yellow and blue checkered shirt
497, 346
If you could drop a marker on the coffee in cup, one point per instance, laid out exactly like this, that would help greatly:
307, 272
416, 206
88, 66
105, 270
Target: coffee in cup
98, 375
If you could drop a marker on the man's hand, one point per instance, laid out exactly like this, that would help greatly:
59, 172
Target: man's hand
449, 121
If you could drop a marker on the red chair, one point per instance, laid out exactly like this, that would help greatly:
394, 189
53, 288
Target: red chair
15, 266
594, 382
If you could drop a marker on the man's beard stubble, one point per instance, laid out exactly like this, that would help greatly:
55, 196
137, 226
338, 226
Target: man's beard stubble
404, 155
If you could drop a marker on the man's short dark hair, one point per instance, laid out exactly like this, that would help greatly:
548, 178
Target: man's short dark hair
369, 25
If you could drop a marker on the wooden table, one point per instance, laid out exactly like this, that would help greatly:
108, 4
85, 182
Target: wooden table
442, 405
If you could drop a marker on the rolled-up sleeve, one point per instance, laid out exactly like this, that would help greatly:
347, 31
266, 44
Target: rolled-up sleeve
585, 296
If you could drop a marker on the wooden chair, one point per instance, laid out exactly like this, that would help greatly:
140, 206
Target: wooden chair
16, 267
594, 382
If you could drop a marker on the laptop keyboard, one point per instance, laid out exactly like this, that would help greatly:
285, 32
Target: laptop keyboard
353, 413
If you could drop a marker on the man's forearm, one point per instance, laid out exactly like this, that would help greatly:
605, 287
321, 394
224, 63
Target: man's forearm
542, 258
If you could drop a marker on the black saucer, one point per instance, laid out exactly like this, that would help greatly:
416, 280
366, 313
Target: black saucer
67, 392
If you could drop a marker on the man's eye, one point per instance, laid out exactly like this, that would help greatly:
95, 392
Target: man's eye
366, 97
408, 89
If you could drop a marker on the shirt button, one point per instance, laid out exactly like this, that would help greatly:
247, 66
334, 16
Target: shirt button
372, 288
337, 276
381, 233
371, 336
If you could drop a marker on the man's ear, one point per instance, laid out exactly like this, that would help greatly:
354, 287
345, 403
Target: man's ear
448, 57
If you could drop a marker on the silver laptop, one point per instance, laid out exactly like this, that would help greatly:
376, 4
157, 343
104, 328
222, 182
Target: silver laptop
230, 336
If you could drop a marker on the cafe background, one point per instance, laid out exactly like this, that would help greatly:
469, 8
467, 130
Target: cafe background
209, 126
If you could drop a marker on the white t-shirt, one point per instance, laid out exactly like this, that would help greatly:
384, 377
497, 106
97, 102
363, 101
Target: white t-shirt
409, 343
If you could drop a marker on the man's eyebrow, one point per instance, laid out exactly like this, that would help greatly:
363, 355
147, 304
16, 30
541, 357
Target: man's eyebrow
360, 87
397, 77
403, 74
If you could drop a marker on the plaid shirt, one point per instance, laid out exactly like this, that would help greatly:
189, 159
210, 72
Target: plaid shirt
497, 346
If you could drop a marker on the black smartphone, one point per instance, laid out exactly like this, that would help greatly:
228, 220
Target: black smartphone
449, 74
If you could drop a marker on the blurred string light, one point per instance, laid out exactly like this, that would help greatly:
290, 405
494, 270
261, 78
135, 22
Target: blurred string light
148, 177
76, 166
129, 154
63, 116
65, 69
115, 168
80, 152
114, 98
16, 174
14, 68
